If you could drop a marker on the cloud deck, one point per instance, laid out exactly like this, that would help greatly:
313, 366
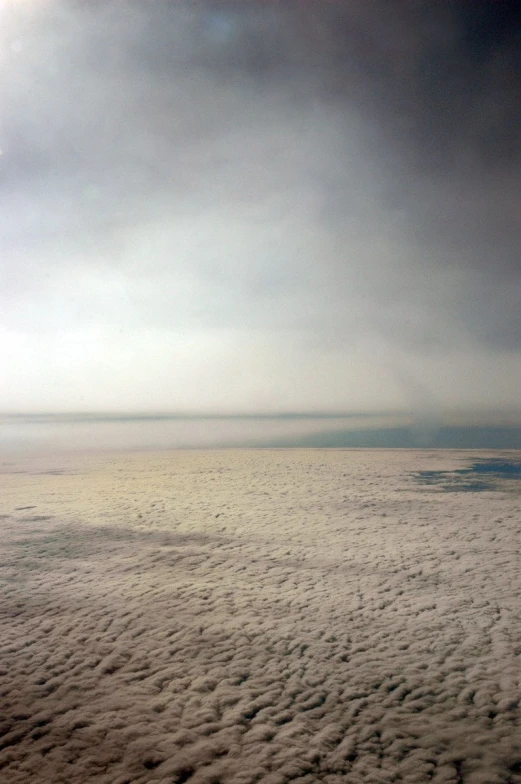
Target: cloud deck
240, 616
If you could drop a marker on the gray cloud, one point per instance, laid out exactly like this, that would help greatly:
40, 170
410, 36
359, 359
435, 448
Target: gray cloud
331, 172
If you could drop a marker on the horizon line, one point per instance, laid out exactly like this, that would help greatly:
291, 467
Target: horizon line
427, 413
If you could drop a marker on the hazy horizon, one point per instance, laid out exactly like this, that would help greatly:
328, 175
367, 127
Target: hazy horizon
47, 433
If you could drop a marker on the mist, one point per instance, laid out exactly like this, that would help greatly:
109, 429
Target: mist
260, 206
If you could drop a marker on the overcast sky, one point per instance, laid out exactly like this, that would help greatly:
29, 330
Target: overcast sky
242, 206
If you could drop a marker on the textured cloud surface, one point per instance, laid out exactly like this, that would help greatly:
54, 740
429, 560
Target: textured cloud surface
237, 616
259, 205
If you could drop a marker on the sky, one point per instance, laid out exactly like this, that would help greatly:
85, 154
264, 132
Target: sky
259, 206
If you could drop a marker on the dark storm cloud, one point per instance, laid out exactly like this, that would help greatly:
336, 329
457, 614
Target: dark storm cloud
363, 157
439, 85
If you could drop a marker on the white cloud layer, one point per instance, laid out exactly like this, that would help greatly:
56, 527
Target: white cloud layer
238, 616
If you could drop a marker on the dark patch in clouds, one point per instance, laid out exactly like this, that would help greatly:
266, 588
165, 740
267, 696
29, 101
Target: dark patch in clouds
321, 174
483, 475
439, 84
